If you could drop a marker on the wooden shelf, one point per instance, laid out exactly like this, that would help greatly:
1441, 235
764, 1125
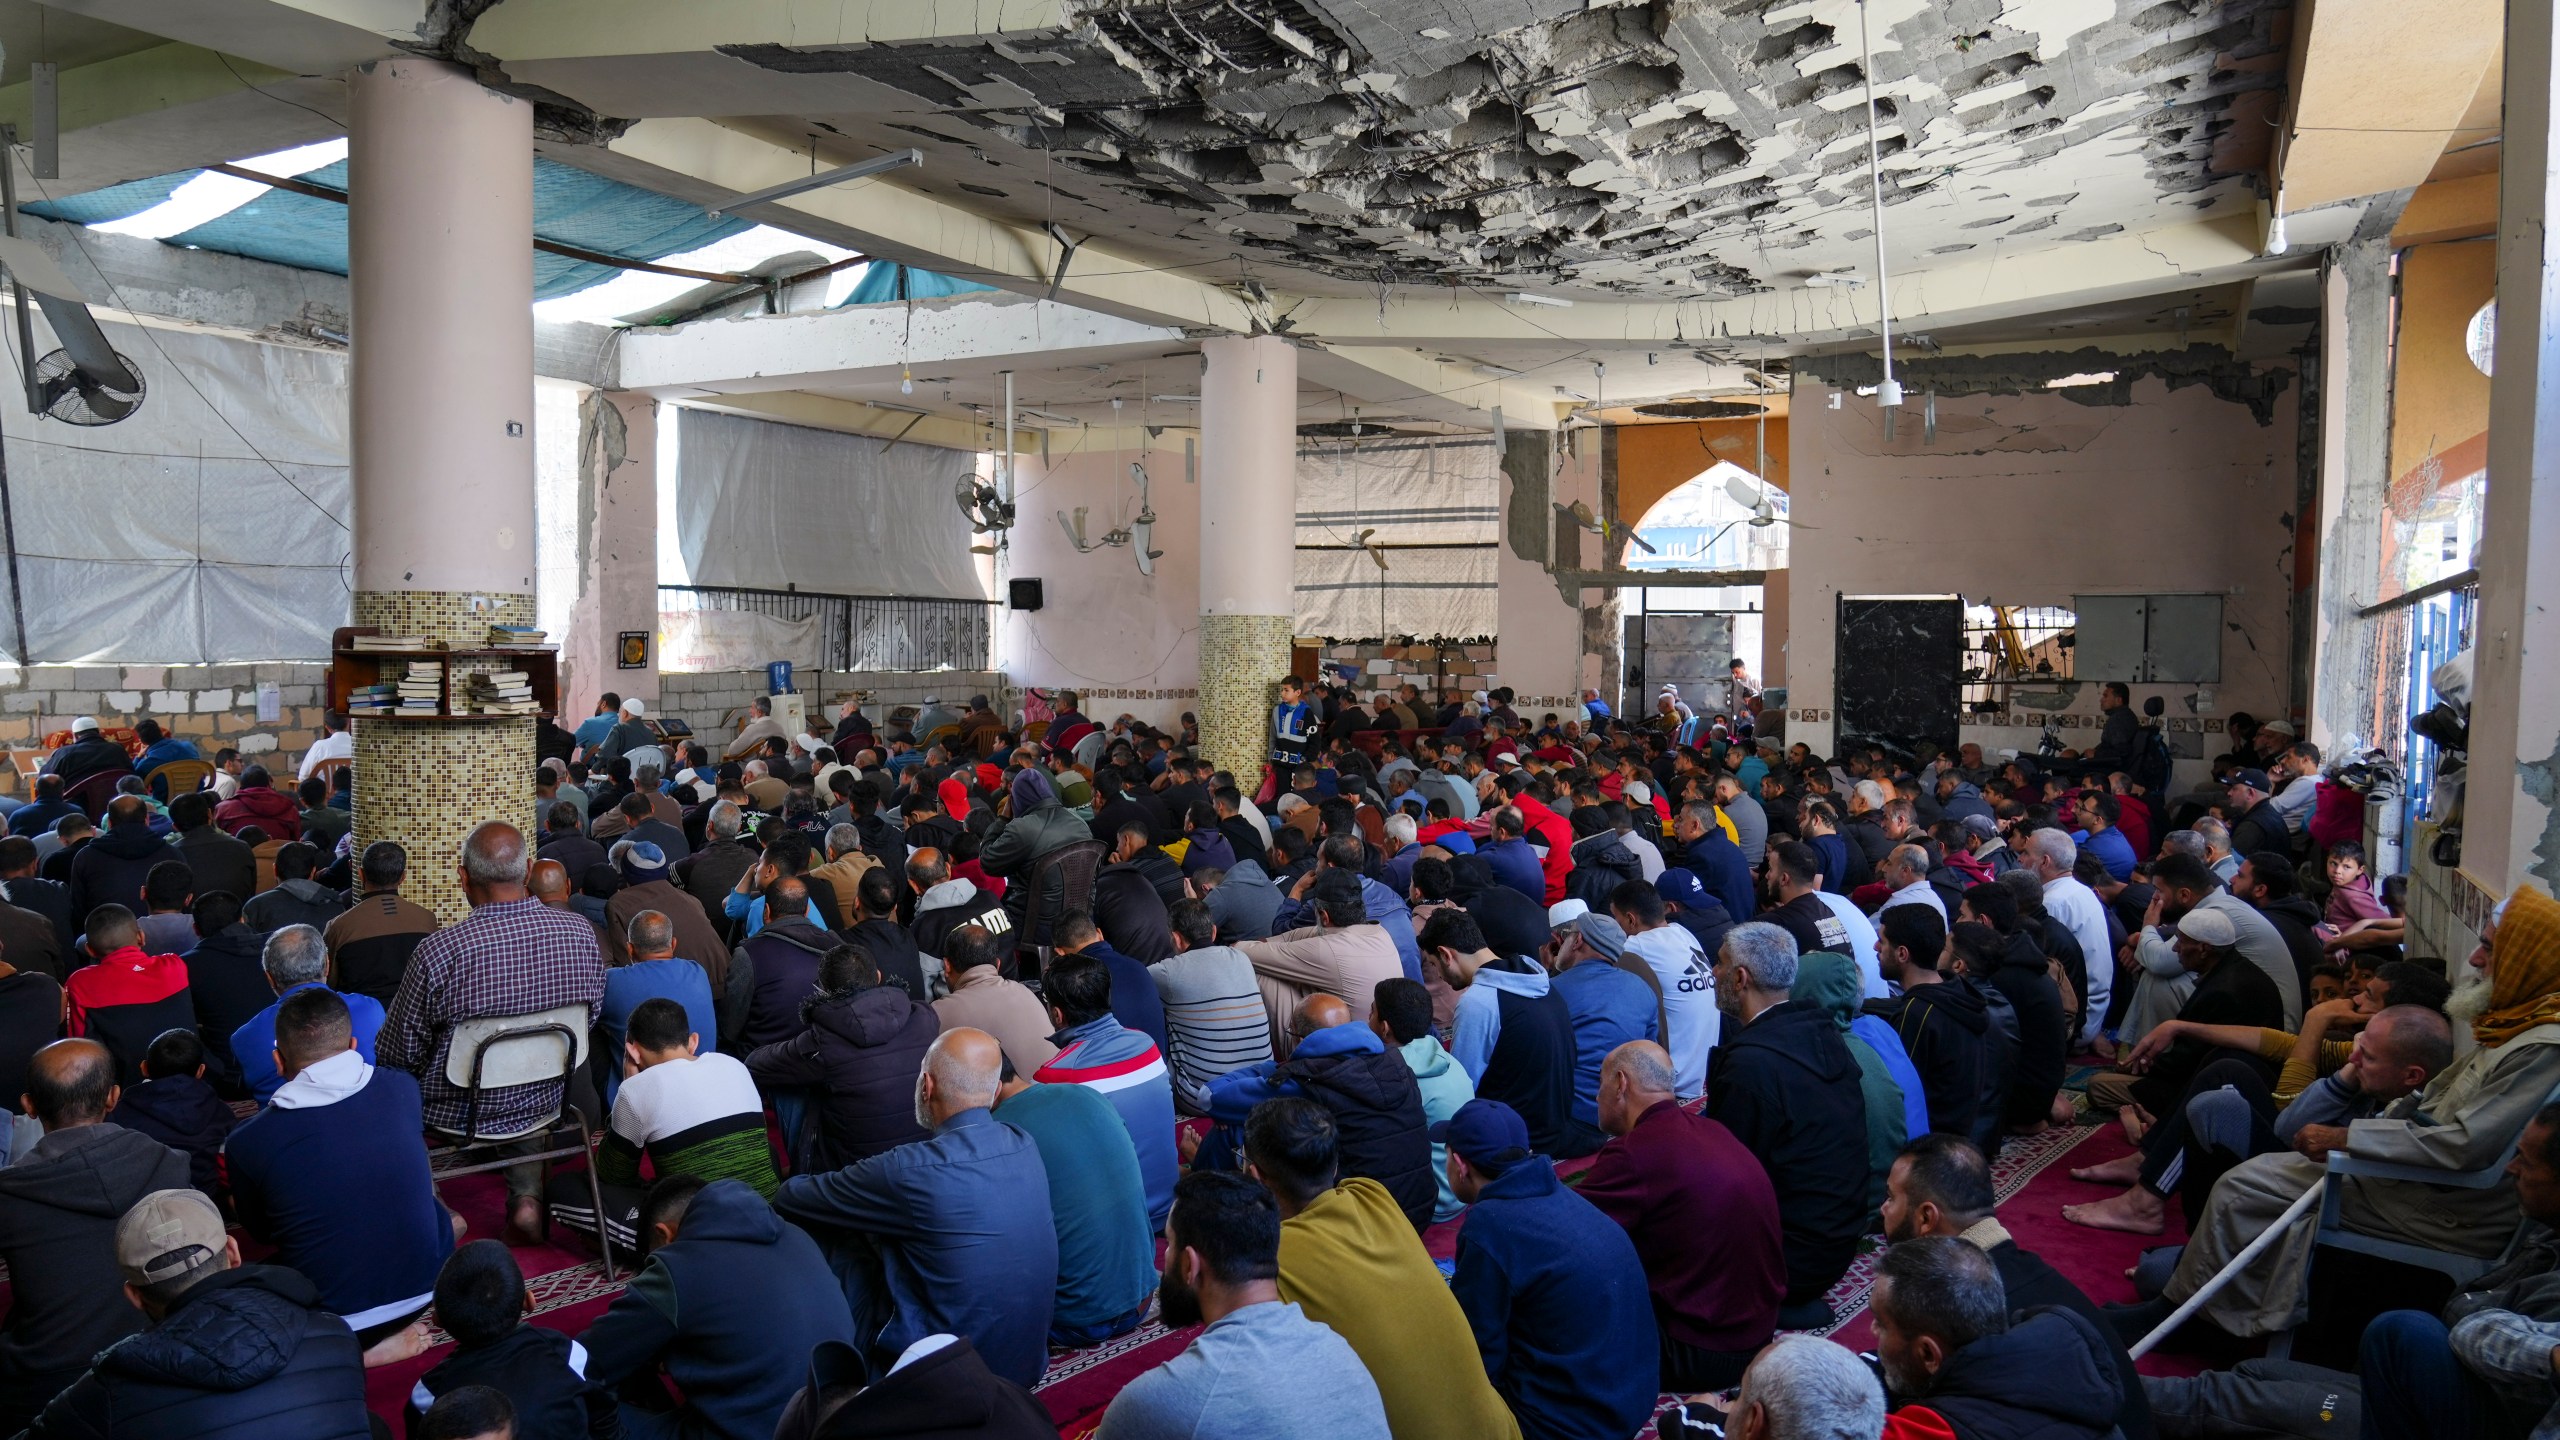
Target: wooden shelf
351, 669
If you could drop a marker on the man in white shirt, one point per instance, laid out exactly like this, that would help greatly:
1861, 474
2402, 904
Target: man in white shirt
1862, 942
690, 1113
760, 727
334, 744
2297, 796
1906, 869
2050, 854
1683, 973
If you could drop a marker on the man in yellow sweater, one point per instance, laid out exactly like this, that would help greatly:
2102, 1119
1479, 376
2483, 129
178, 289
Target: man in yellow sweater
1350, 1260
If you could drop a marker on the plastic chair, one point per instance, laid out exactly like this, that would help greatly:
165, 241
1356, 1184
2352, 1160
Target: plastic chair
93, 792
503, 1051
179, 777
333, 771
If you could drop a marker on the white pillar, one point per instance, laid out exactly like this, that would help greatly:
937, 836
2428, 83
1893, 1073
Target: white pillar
1248, 542
440, 256
617, 552
2511, 808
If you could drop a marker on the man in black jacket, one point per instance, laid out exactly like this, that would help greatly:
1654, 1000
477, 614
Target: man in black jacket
110, 870
2255, 822
1955, 1360
2268, 881
1783, 1081
234, 1351
1941, 1185
1941, 1021
58, 1210
1997, 953
219, 861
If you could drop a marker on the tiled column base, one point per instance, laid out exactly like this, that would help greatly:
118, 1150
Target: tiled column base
427, 783
1242, 658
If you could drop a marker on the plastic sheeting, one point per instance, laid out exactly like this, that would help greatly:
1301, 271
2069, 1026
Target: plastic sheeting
694, 641
1440, 494
174, 538
884, 282
570, 206
762, 504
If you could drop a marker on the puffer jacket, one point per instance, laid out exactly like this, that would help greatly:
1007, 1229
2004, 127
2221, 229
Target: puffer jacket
109, 870
2049, 1376
247, 1353
1013, 853
863, 1051
1377, 1118
1601, 863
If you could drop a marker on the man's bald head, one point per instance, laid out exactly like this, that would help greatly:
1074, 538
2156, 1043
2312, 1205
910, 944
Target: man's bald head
962, 1071
926, 868
70, 1083
548, 882
1319, 1012
493, 859
1635, 1077
785, 898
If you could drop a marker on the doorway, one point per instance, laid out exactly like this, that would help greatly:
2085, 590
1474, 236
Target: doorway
1898, 669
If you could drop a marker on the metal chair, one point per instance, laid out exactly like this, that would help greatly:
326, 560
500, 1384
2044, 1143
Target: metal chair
503, 1051
178, 777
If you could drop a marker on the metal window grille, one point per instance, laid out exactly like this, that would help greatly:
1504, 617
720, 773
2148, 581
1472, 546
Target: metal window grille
865, 632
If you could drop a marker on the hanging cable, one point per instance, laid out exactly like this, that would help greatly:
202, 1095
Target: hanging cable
1888, 393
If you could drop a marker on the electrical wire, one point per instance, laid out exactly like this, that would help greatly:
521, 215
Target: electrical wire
296, 104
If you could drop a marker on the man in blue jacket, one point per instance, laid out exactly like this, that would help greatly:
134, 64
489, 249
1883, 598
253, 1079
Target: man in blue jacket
946, 1235
1551, 1286
728, 1306
1121, 1065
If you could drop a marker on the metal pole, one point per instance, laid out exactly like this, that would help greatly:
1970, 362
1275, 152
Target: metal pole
2222, 1277
1888, 394
27, 366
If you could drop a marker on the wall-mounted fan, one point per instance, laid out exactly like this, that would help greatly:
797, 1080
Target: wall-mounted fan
85, 382
986, 509
64, 389
1583, 516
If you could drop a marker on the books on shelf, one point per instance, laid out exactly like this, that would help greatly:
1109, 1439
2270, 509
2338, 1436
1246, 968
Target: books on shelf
500, 692
516, 635
421, 690
388, 644
373, 699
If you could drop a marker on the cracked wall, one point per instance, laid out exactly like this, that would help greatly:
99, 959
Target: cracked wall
1673, 148
2030, 497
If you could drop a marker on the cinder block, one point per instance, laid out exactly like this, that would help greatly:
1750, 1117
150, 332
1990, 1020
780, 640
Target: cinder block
212, 702
232, 675
260, 743
75, 702
170, 702
145, 677
96, 677
22, 702
49, 677
123, 702
294, 695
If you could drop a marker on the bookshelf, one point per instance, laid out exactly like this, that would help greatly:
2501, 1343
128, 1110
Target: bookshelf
353, 668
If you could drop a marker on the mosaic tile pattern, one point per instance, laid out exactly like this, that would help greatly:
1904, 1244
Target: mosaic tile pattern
445, 616
426, 783
1242, 658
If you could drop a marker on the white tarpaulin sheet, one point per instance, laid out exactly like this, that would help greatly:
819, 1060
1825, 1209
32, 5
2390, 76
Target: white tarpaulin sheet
692, 641
1442, 495
209, 527
761, 504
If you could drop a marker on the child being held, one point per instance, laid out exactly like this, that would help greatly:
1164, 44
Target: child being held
481, 1301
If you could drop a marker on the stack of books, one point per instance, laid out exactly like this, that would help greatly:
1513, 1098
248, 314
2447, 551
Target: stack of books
396, 644
373, 699
500, 692
516, 635
422, 689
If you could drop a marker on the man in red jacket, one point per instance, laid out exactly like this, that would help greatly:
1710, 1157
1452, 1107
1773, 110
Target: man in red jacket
1549, 828
260, 803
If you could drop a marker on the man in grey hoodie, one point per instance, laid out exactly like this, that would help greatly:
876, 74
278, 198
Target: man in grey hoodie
1242, 902
58, 1210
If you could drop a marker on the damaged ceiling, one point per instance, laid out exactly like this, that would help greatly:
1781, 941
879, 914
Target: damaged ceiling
1670, 149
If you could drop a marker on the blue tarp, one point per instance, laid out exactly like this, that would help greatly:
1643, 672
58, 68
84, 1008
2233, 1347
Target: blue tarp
570, 206
905, 282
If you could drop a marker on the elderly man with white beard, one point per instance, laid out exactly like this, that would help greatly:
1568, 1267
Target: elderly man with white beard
2464, 1119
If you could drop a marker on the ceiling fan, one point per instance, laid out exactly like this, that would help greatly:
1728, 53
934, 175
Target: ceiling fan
986, 509
1583, 516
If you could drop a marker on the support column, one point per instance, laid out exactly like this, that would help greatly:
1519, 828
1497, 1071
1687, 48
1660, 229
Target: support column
2354, 474
439, 241
1248, 543
2511, 807
617, 551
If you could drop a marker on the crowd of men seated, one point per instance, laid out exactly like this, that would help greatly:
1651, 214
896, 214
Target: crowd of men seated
919, 1052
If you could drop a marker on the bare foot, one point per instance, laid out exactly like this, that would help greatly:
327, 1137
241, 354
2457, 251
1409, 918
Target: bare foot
461, 1227
406, 1343
2136, 1212
524, 1220
2123, 1170
2063, 1112
2104, 1049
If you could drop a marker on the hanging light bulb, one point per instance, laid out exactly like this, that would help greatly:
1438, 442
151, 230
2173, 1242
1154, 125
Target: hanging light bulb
906, 380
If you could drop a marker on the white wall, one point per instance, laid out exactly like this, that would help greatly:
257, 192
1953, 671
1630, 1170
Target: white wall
2032, 499
1126, 641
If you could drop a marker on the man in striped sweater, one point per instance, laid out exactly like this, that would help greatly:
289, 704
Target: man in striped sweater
1212, 1007
1096, 1050
690, 1113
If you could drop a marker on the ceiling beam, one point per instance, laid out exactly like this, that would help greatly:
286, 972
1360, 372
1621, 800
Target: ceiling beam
175, 107
1396, 381
864, 343
300, 37
2376, 89
853, 417
707, 163
581, 29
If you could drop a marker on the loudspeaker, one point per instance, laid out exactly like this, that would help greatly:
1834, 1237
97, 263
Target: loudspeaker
1026, 594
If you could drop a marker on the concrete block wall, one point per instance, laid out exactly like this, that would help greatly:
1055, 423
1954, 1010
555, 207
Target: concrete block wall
712, 700
2447, 908
215, 706
1463, 668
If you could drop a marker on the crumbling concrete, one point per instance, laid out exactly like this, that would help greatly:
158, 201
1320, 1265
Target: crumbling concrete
2217, 369
1665, 149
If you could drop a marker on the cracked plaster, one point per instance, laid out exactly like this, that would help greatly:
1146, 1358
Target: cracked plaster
1648, 150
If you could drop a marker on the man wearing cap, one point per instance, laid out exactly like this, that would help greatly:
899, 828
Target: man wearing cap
932, 718
233, 1349
2229, 991
628, 739
1611, 997
1551, 1286
2249, 809
647, 885
2296, 777
89, 753
1693, 909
